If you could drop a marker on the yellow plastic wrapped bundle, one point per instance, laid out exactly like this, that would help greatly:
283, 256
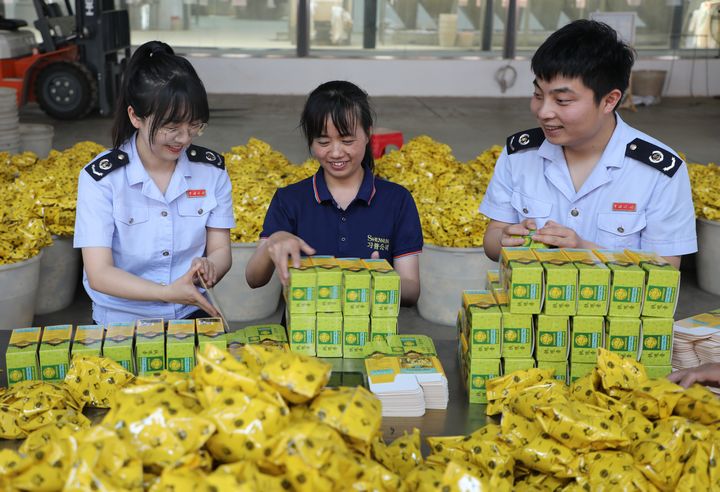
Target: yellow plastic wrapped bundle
656, 399
425, 477
500, 390
443, 449
402, 455
491, 455
354, 412
519, 430
608, 471
700, 404
57, 431
298, 378
45, 469
23, 232
587, 388
94, 380
661, 456
526, 401
619, 373
546, 455
705, 181
540, 482
635, 425
459, 477
244, 476
255, 356
217, 368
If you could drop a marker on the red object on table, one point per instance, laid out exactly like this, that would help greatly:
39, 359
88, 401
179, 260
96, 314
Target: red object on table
381, 138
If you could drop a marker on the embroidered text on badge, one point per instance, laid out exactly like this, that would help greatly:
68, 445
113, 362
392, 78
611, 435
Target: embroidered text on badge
195, 193
624, 207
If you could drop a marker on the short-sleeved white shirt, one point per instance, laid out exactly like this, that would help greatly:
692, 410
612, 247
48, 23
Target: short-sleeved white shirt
153, 236
624, 203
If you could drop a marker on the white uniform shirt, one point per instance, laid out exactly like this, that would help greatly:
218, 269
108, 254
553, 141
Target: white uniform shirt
153, 236
624, 203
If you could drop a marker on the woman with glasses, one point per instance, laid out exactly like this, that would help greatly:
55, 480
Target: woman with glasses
154, 213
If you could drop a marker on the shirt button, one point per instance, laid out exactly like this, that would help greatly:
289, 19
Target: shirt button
163, 213
343, 239
166, 253
344, 219
620, 229
525, 210
163, 283
131, 220
574, 212
200, 211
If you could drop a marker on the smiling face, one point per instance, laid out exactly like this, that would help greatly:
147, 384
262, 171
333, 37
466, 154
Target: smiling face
567, 111
169, 140
340, 156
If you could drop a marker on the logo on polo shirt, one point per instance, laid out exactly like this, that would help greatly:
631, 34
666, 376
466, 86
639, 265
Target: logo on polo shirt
378, 243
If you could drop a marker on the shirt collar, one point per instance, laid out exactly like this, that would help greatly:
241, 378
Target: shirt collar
136, 172
322, 193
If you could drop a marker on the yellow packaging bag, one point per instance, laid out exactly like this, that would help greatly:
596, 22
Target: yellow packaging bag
255, 356
618, 372
635, 425
216, 367
492, 457
94, 380
540, 482
656, 398
179, 480
402, 455
244, 476
461, 477
526, 401
446, 448
355, 412
298, 378
700, 404
46, 468
547, 455
610, 471
56, 431
517, 430
502, 388
586, 388
696, 472
425, 477
660, 457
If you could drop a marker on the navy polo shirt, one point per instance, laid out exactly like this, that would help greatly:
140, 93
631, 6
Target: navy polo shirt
383, 218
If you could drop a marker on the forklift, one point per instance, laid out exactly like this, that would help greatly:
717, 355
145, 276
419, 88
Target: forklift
78, 65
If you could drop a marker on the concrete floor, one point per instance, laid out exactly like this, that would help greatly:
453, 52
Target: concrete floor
467, 125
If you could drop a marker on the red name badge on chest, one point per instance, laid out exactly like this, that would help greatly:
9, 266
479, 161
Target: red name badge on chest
624, 207
196, 193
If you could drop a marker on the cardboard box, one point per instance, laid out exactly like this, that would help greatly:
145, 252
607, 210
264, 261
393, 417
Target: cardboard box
385, 284
210, 331
477, 372
329, 284
118, 344
356, 333
492, 277
88, 340
518, 330
553, 334
149, 346
580, 369
380, 328
522, 277
662, 284
512, 365
301, 333
405, 344
356, 287
627, 284
329, 334
658, 372
657, 341
54, 352
623, 336
561, 369
180, 345
593, 293
271, 334
561, 278
21, 357
588, 334
235, 341
483, 324
301, 291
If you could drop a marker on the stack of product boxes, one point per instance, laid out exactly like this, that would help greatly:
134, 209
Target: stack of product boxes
558, 306
335, 306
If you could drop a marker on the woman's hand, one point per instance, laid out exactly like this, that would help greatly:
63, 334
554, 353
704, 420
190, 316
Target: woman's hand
705, 374
206, 270
511, 232
283, 245
184, 291
554, 234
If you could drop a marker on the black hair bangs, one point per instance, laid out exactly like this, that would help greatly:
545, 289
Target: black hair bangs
181, 100
342, 112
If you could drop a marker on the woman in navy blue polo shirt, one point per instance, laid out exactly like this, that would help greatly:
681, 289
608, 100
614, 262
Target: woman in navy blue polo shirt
343, 210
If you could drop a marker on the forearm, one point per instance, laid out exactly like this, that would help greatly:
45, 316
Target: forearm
116, 282
492, 242
409, 291
222, 259
260, 267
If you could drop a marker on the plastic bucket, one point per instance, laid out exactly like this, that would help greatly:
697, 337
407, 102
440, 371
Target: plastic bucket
447, 29
648, 82
238, 301
708, 255
444, 274
59, 273
36, 138
18, 289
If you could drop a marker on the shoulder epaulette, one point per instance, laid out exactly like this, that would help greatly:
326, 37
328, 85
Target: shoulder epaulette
195, 153
107, 163
661, 159
527, 139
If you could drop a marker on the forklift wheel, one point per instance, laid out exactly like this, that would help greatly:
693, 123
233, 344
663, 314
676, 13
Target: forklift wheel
66, 90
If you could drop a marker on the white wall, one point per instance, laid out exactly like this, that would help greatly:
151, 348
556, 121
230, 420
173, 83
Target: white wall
464, 77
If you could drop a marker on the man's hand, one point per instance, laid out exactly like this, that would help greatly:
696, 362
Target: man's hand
554, 234
705, 374
283, 245
206, 269
183, 291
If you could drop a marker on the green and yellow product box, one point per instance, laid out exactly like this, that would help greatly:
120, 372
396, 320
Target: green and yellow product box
553, 333
623, 336
329, 284
356, 287
627, 284
529, 240
180, 345
460, 322
476, 373
662, 284
271, 334
301, 333
657, 341
492, 277
512, 365
329, 335
580, 369
54, 352
587, 335
657, 372
380, 328
483, 324
301, 290
88, 340
210, 331
149, 346
518, 330
522, 277
404, 344
21, 357
561, 369
356, 333
593, 292
385, 284
235, 341
561, 278
118, 344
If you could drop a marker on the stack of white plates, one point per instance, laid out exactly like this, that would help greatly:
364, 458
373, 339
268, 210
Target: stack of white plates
9, 122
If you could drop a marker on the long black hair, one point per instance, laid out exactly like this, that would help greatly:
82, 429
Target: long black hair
161, 84
348, 107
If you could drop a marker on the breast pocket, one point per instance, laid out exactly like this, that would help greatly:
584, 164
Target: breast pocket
620, 229
194, 214
531, 208
130, 217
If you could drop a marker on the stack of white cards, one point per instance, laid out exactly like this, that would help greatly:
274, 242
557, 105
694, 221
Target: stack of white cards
401, 397
696, 340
